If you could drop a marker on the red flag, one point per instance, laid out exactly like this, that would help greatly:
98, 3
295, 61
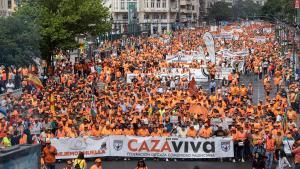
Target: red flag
297, 4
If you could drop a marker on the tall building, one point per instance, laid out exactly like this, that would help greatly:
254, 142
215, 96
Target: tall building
152, 15
7, 7
259, 2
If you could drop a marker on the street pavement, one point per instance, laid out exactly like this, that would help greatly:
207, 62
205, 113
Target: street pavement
170, 165
258, 87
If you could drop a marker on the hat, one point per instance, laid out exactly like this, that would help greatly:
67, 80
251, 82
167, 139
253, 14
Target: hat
98, 160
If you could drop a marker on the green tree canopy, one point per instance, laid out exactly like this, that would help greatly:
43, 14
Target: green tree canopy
19, 41
282, 9
245, 9
61, 21
220, 11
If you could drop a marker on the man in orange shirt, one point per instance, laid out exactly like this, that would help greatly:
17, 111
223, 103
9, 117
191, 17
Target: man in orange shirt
205, 132
243, 90
60, 133
106, 130
128, 131
155, 132
270, 149
49, 153
96, 132
191, 132
143, 131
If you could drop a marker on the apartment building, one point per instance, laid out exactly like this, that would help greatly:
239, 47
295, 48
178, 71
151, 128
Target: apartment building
7, 7
259, 2
155, 16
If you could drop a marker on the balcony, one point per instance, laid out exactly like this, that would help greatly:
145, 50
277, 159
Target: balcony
185, 2
156, 10
174, 9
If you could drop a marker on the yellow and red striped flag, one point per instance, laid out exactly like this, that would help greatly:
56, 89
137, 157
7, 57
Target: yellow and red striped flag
35, 80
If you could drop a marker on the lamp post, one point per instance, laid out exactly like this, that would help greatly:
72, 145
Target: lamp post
91, 42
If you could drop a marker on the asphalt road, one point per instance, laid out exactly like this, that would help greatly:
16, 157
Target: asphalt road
258, 88
169, 165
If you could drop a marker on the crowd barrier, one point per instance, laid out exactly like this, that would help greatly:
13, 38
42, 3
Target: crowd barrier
134, 146
15, 92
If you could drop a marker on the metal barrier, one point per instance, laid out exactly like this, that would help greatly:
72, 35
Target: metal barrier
21, 157
13, 93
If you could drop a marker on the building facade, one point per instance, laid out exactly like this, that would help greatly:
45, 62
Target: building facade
155, 16
7, 7
259, 2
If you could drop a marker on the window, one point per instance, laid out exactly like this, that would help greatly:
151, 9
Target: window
115, 4
158, 3
125, 16
146, 16
164, 3
9, 4
156, 16
147, 3
122, 4
152, 3
163, 16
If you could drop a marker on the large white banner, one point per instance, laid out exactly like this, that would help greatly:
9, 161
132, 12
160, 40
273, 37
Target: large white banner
223, 73
200, 75
171, 147
134, 146
260, 39
91, 146
210, 45
186, 58
180, 57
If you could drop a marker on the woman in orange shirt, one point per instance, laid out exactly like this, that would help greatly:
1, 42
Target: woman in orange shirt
241, 137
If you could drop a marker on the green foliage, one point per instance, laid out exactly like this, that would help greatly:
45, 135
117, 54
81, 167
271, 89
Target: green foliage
19, 41
245, 9
61, 21
282, 9
220, 11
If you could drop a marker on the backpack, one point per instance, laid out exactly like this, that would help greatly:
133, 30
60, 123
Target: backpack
77, 165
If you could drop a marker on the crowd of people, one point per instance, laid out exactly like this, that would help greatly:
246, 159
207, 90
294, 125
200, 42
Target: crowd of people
92, 97
11, 77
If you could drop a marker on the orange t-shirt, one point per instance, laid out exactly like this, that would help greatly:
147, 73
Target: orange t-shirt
191, 133
206, 133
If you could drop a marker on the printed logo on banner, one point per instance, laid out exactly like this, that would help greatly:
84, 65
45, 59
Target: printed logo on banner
118, 145
225, 145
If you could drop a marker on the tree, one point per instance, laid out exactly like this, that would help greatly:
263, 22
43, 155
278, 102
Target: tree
61, 21
19, 41
245, 9
281, 9
220, 11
